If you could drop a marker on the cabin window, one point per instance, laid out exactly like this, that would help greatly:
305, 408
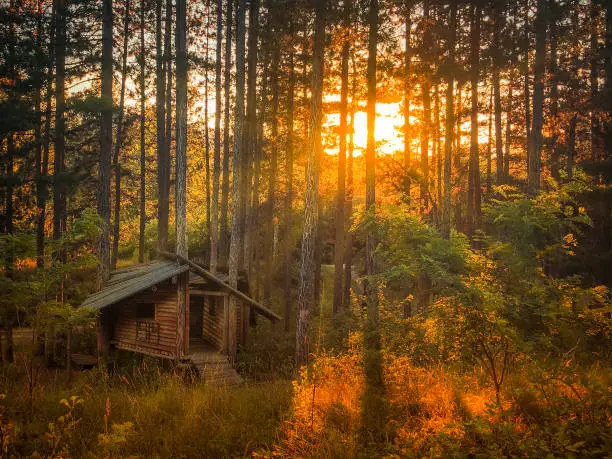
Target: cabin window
145, 311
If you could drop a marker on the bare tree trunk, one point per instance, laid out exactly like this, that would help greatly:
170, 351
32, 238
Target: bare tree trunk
214, 220
489, 144
59, 191
164, 128
181, 162
497, 63
593, 81
371, 287
450, 122
106, 142
251, 145
407, 92
426, 122
43, 169
311, 207
571, 146
236, 241
527, 86
341, 193
508, 132
119, 136
206, 130
224, 231
437, 154
272, 178
289, 197
143, 159
473, 208
535, 142
554, 105
348, 246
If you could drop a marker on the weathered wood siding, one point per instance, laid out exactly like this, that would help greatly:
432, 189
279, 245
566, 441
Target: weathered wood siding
156, 337
213, 313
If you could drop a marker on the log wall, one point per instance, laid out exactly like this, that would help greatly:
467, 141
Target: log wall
156, 337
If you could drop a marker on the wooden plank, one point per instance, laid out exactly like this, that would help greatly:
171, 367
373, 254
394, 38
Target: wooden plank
271, 315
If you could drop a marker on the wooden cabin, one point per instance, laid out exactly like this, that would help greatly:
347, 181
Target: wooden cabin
139, 312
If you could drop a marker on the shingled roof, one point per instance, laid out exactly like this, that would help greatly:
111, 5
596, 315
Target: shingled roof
129, 281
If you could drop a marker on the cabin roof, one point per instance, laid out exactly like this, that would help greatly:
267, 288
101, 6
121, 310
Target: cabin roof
130, 281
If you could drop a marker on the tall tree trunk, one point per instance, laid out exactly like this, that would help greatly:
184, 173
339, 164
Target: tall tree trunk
206, 129
348, 245
311, 206
407, 93
535, 141
214, 204
594, 80
143, 159
497, 63
106, 141
473, 209
508, 131
181, 162
571, 146
272, 178
289, 197
119, 136
59, 191
437, 154
489, 144
43, 171
450, 122
251, 145
341, 192
554, 105
459, 223
526, 84
224, 231
426, 122
164, 127
236, 241
371, 287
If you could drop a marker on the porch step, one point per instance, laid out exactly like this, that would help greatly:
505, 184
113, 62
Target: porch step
218, 373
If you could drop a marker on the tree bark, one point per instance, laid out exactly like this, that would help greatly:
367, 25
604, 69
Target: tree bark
206, 129
272, 178
554, 105
181, 163
106, 142
535, 140
473, 208
119, 136
348, 245
499, 151
163, 101
407, 93
306, 281
450, 122
59, 191
289, 197
426, 122
224, 231
236, 241
371, 287
42, 188
143, 216
214, 204
251, 145
341, 192
507, 176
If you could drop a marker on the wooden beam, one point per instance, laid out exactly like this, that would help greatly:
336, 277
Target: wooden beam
271, 315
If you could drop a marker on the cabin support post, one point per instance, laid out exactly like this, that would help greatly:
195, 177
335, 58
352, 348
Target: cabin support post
102, 338
226, 325
181, 311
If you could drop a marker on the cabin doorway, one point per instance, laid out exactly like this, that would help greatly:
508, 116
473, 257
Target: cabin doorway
196, 317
